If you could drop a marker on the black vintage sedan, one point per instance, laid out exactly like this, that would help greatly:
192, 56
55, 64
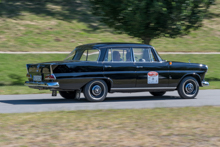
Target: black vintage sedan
99, 68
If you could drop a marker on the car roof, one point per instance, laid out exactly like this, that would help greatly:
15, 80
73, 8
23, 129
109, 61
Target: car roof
112, 44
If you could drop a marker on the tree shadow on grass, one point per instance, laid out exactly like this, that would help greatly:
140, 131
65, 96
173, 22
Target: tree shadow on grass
210, 15
17, 80
66, 10
212, 79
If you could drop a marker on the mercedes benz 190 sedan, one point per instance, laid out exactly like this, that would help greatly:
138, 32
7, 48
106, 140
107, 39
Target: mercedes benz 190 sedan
99, 68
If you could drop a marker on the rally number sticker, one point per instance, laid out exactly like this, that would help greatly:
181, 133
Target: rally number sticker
152, 77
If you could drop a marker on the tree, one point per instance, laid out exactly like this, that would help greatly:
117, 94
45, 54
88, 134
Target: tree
150, 19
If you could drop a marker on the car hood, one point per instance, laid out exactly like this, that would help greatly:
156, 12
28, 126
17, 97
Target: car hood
195, 65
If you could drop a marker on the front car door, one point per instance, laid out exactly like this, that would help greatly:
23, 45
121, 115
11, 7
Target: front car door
119, 67
150, 71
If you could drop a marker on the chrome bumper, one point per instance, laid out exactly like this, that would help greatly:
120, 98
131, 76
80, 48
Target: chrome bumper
42, 84
205, 83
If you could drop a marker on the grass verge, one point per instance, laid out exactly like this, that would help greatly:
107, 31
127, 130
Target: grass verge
62, 25
166, 127
13, 70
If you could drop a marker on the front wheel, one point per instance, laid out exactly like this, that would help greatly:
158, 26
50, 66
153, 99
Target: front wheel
95, 91
188, 88
158, 93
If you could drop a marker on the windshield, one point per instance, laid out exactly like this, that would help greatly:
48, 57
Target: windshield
84, 55
159, 58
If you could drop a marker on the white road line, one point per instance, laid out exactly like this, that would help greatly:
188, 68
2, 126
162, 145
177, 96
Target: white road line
69, 52
189, 52
34, 52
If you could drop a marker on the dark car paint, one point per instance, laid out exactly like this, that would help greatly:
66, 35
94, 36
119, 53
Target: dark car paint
179, 70
161, 67
119, 76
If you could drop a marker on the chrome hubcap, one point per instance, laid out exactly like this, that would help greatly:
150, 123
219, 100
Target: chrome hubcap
189, 88
96, 90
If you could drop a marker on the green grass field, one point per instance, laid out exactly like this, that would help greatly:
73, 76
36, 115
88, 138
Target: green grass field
62, 25
13, 69
158, 127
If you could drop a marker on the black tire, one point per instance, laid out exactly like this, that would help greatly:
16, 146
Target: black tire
188, 88
70, 94
95, 91
158, 93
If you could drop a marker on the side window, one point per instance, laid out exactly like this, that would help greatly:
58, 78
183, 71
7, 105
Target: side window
118, 55
90, 55
93, 55
108, 55
143, 55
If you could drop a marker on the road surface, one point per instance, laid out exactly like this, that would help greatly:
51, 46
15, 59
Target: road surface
45, 102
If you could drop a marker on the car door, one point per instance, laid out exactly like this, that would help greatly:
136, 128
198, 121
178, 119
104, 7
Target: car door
150, 72
119, 67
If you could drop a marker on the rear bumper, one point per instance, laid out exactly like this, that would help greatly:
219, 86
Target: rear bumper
205, 83
42, 84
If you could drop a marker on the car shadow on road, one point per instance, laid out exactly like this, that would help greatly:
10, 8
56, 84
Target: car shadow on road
140, 98
83, 100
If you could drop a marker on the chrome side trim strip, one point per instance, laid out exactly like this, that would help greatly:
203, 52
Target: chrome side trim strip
42, 84
143, 88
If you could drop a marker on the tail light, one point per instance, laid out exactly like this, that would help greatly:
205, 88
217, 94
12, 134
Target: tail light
50, 77
28, 75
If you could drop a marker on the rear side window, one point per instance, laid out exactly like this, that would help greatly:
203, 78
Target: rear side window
118, 55
93, 55
143, 55
89, 55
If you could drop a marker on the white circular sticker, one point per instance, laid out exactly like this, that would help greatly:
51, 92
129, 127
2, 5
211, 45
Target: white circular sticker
152, 77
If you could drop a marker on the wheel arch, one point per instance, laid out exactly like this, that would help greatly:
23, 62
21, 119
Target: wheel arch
194, 75
109, 83
107, 80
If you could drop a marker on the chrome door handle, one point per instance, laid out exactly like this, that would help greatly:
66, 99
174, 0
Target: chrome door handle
139, 66
106, 66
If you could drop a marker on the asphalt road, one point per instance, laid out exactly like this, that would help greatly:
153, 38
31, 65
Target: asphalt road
45, 102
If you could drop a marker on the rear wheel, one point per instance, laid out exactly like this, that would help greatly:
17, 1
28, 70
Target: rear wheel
188, 88
70, 94
95, 91
158, 93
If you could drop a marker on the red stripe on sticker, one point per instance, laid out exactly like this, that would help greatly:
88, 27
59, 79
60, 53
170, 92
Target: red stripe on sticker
152, 73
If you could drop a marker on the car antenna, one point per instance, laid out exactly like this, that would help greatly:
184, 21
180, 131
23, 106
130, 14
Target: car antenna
189, 60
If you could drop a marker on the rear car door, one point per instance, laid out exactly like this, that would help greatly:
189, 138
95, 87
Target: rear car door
119, 67
150, 72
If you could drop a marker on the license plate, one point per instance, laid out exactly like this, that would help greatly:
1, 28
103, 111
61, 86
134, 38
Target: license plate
37, 78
